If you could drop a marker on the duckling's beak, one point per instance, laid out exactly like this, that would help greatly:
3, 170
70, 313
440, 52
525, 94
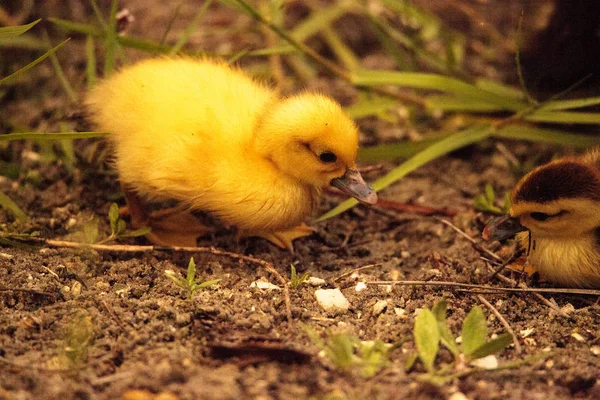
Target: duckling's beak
353, 184
501, 228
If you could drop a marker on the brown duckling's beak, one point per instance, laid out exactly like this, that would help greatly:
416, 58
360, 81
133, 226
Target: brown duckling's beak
501, 228
353, 184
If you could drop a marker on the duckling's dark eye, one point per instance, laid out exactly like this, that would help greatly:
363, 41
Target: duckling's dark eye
538, 216
327, 157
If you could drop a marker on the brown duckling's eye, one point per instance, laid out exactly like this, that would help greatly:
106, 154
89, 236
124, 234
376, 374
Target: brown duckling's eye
327, 157
538, 216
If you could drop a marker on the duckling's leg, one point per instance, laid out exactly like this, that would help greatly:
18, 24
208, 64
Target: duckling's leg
170, 227
284, 239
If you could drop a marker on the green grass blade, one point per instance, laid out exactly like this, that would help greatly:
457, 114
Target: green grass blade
126, 41
317, 21
25, 42
8, 204
428, 81
111, 40
397, 150
60, 73
564, 117
33, 63
550, 136
452, 142
172, 19
371, 106
499, 89
570, 104
341, 50
98, 14
50, 136
90, 53
9, 31
453, 103
189, 30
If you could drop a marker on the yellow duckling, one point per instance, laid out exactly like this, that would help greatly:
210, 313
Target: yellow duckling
208, 135
556, 209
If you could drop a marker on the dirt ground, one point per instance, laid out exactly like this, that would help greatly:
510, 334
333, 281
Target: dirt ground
87, 324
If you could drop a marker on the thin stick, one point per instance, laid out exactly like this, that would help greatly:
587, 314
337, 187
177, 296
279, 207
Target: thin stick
588, 292
503, 321
120, 248
414, 208
30, 365
537, 295
470, 239
30, 291
345, 274
111, 313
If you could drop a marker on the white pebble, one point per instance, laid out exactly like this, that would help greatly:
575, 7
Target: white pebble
332, 299
360, 286
488, 362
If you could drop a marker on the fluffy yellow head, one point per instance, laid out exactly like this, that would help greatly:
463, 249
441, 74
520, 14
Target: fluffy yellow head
308, 137
559, 199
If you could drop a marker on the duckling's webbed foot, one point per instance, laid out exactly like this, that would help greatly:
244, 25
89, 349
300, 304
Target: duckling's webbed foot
284, 239
169, 227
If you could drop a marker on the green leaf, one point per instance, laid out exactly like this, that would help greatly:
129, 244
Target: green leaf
454, 103
450, 143
550, 136
121, 227
492, 347
138, 232
564, 117
90, 52
191, 271
427, 337
33, 63
50, 136
419, 80
8, 204
10, 31
490, 195
570, 104
111, 42
113, 217
439, 311
204, 284
499, 89
410, 361
474, 331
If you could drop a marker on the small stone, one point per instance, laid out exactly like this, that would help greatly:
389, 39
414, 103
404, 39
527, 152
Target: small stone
577, 337
332, 299
526, 332
487, 362
400, 312
360, 286
314, 281
264, 285
380, 307
595, 350
458, 396
568, 308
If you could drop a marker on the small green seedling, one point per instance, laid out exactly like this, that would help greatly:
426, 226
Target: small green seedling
118, 228
431, 329
190, 284
77, 340
296, 280
487, 201
349, 353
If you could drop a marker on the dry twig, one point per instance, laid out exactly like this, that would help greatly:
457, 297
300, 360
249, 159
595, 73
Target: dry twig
503, 321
